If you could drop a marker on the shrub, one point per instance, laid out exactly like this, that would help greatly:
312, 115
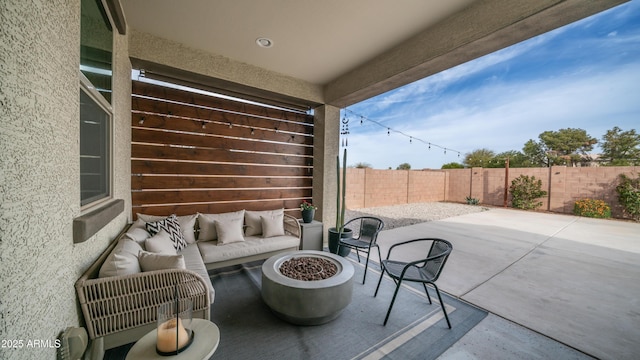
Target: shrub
629, 195
472, 201
592, 208
525, 191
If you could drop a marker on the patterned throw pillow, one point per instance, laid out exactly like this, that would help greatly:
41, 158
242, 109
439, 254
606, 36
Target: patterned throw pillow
172, 227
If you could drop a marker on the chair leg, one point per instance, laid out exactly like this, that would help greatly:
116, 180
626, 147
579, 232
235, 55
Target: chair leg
427, 292
358, 253
379, 281
366, 265
395, 293
442, 304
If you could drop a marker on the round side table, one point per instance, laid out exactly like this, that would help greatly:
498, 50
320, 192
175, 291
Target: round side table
205, 343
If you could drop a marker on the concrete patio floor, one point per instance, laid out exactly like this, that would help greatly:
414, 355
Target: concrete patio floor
557, 286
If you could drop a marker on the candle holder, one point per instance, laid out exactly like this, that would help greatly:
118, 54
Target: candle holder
174, 327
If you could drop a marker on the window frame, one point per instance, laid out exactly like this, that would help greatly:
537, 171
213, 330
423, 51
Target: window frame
91, 91
99, 100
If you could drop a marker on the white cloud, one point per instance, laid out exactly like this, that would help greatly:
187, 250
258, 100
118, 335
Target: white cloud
503, 117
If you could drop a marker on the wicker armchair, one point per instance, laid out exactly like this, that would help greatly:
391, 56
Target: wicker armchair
121, 309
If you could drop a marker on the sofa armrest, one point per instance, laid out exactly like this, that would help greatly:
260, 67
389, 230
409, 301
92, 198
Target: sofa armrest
119, 303
292, 226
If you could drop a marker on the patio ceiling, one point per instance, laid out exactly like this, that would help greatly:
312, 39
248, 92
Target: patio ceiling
354, 49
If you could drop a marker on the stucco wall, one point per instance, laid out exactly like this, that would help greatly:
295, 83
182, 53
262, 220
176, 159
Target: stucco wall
39, 170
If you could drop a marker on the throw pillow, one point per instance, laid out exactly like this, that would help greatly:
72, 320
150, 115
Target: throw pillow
138, 235
172, 227
272, 226
206, 223
187, 224
229, 231
123, 260
253, 222
150, 261
160, 243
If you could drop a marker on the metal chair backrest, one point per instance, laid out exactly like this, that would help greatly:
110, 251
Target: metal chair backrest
437, 257
369, 228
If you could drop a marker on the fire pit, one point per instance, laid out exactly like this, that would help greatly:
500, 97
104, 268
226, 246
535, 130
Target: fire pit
307, 287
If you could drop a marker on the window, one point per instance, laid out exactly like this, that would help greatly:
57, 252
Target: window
96, 48
95, 150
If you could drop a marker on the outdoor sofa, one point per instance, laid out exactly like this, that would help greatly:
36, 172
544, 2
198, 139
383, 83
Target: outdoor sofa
120, 292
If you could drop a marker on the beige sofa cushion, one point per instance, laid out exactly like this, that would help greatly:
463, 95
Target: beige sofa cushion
229, 231
206, 223
151, 261
123, 259
254, 224
160, 243
193, 261
252, 245
272, 226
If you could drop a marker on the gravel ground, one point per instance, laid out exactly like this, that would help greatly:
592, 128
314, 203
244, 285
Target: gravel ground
409, 214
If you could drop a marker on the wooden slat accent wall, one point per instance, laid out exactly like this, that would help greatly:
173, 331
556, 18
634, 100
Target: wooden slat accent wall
196, 153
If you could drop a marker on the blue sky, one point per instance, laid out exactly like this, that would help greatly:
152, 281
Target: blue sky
584, 75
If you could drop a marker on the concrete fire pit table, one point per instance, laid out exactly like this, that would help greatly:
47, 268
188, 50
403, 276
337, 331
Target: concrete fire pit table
303, 302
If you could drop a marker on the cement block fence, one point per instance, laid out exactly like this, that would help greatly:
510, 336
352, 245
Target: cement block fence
564, 185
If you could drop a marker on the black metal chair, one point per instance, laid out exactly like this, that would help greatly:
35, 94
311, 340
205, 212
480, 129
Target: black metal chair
425, 270
365, 234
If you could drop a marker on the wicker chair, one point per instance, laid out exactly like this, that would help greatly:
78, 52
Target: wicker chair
425, 270
367, 229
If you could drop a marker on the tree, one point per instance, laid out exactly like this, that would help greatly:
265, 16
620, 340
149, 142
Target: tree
565, 146
362, 165
620, 148
452, 165
516, 160
478, 158
535, 154
404, 166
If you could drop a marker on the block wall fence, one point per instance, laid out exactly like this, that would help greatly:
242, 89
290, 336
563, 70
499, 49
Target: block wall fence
564, 185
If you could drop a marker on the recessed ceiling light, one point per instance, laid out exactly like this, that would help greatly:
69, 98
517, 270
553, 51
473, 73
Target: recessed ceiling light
264, 42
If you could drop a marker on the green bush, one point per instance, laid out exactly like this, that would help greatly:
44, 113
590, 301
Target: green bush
472, 201
525, 191
629, 195
592, 208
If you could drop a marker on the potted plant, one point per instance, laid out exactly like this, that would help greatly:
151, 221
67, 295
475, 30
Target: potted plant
308, 211
339, 231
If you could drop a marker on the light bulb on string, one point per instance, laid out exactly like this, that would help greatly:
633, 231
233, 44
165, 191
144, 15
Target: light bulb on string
410, 139
388, 131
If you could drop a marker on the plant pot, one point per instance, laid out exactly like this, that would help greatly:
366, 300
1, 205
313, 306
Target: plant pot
307, 215
333, 241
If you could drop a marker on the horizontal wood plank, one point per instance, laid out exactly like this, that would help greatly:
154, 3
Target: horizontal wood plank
184, 168
200, 182
139, 151
196, 196
173, 138
291, 206
147, 109
162, 92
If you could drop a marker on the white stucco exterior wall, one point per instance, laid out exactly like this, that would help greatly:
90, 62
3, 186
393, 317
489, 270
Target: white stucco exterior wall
39, 169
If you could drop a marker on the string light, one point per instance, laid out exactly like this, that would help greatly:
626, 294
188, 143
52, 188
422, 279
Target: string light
389, 130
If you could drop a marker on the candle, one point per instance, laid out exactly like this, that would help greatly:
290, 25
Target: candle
167, 333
